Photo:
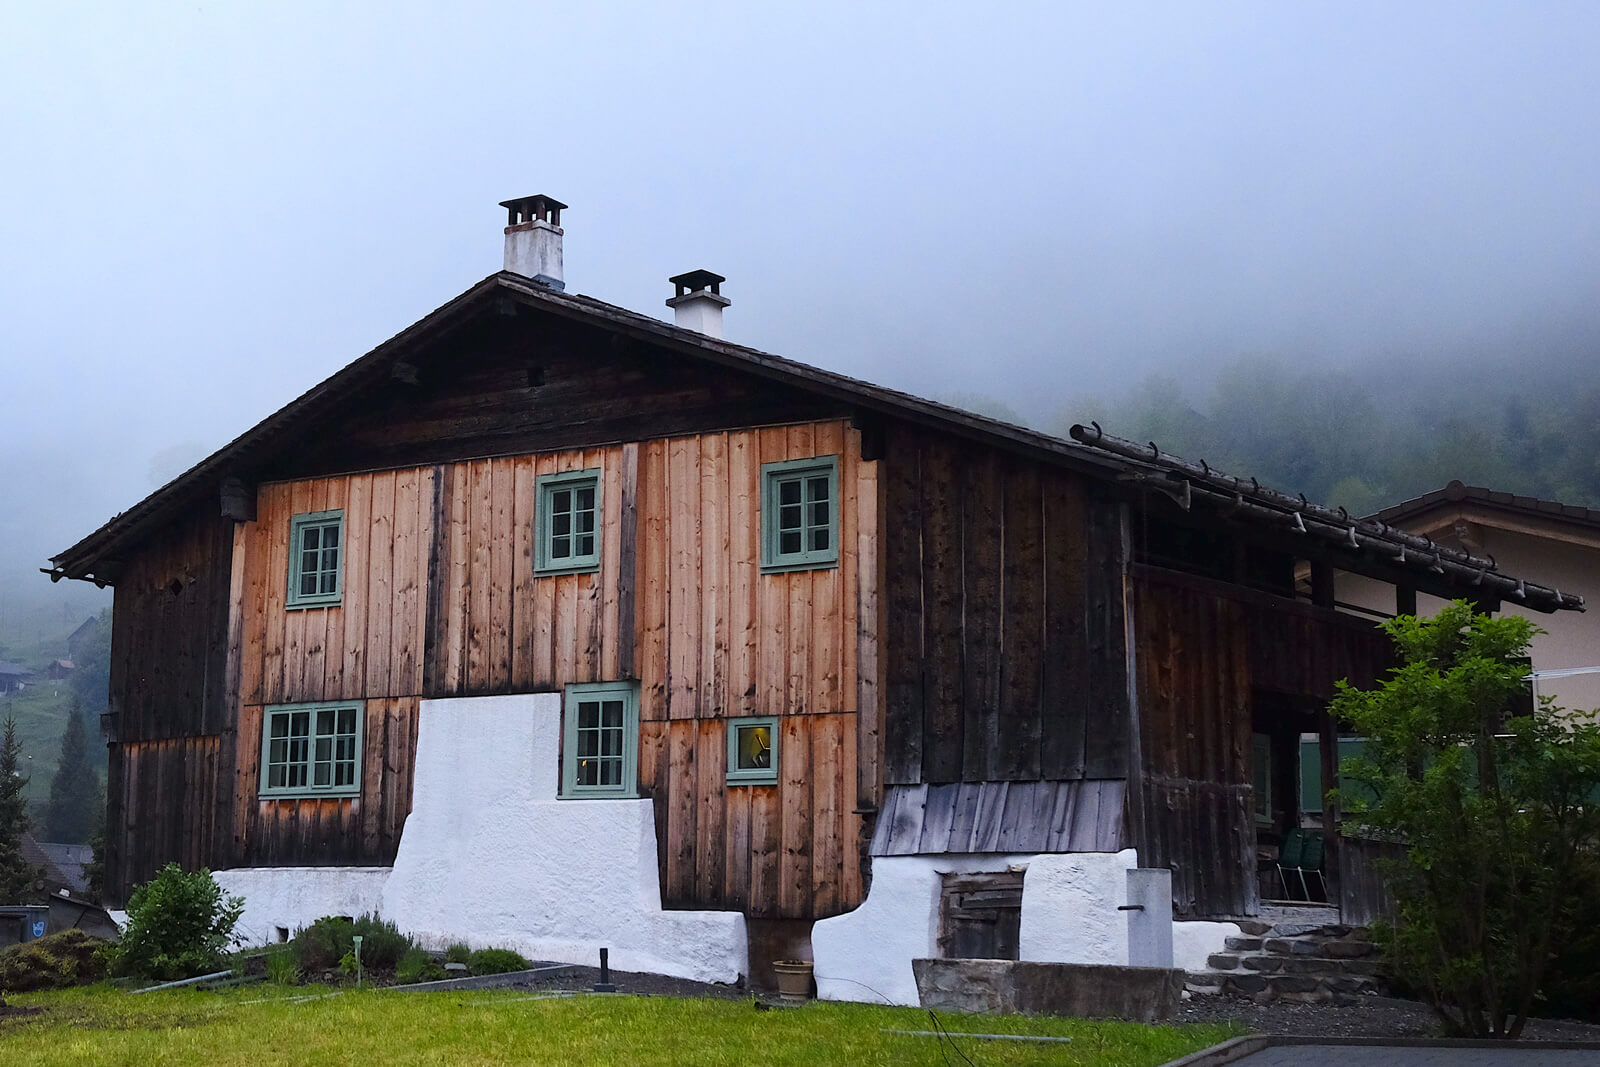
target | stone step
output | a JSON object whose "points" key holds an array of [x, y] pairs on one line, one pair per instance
{"points": [[1229, 962], [1297, 987]]}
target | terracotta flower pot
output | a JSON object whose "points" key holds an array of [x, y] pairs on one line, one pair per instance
{"points": [[794, 979]]}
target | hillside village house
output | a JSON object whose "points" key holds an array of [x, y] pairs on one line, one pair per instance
{"points": [[549, 624], [1558, 542]]}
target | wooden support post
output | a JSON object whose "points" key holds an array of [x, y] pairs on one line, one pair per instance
{"points": [[1322, 584], [1328, 735], [1405, 600]]}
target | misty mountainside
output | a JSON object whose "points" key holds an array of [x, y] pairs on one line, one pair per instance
{"points": [[44, 708], [1368, 437]]}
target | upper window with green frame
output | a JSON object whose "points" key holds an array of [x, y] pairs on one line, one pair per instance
{"points": [[316, 559], [800, 514], [567, 519], [311, 750], [600, 740], [753, 751]]}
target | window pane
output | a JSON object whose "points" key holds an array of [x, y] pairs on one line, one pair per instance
{"points": [[325, 721], [819, 539], [588, 772], [586, 522], [611, 772], [330, 537], [347, 721], [789, 542], [560, 547], [300, 723], [276, 776], [613, 713], [561, 523], [586, 545], [586, 499], [819, 513], [280, 726], [561, 500], [310, 539], [755, 747], [817, 488], [588, 714], [789, 517], [789, 492], [297, 776]]}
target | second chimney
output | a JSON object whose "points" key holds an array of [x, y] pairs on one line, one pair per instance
{"points": [[533, 239], [699, 302]]}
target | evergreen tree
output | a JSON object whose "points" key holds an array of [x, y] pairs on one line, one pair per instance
{"points": [[16, 874], [74, 791]]}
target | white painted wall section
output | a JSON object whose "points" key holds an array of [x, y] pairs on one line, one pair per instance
{"points": [[292, 897], [1069, 908], [1196, 941], [491, 856]]}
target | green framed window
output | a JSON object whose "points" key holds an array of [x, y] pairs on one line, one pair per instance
{"points": [[567, 519], [600, 740], [311, 750], [753, 751], [316, 559], [800, 514]]}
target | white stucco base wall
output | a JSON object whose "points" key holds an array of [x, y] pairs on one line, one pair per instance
{"points": [[490, 856], [1069, 915], [292, 897], [1194, 942]]}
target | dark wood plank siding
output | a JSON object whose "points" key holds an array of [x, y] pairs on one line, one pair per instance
{"points": [[1203, 648], [1006, 657]]}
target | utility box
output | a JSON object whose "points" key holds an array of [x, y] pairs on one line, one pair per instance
{"points": [[23, 922]]}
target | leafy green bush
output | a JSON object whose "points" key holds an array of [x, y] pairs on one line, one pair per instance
{"points": [[55, 961], [417, 966], [320, 946], [460, 952], [324, 944], [179, 925], [497, 961]]}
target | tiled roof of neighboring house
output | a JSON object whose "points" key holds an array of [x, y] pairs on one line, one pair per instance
{"points": [[1092, 452], [1457, 493], [13, 668]]}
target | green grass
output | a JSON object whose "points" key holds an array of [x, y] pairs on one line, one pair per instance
{"points": [[260, 1024]]}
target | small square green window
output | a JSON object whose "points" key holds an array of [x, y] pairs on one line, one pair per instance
{"points": [[316, 557], [800, 514], [311, 750], [567, 518], [753, 751], [600, 740]]}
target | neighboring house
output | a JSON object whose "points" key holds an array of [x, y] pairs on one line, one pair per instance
{"points": [[1559, 544], [61, 883], [546, 623], [78, 640], [59, 669], [13, 677]]}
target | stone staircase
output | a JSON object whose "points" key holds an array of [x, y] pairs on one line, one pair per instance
{"points": [[1293, 960]]}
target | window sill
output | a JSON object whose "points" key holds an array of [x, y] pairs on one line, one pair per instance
{"points": [[769, 780], [308, 605], [309, 794], [573, 568], [800, 565], [599, 796]]}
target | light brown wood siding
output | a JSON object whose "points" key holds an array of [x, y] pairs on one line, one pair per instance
{"points": [[440, 599]]}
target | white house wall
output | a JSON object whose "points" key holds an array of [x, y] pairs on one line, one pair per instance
{"points": [[492, 857]]}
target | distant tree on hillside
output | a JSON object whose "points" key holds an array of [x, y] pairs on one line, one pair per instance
{"points": [[16, 874], [75, 790]]}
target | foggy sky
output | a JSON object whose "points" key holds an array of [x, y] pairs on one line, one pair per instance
{"points": [[207, 210]]}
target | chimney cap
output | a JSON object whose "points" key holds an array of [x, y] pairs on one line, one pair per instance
{"points": [[526, 209], [696, 280]]}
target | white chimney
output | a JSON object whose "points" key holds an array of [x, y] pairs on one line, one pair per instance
{"points": [[699, 303], [533, 239]]}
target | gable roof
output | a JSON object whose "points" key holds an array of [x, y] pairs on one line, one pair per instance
{"points": [[93, 557], [1490, 500]]}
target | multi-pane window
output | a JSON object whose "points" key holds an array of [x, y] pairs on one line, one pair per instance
{"points": [[752, 751], [316, 548], [567, 516], [800, 514], [601, 740], [311, 750]]}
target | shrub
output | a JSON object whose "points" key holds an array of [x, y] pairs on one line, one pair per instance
{"points": [[55, 961], [459, 952], [497, 961], [179, 925], [320, 946], [417, 966], [281, 969], [324, 944]]}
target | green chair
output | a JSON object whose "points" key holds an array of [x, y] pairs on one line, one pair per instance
{"points": [[1311, 863], [1290, 851]]}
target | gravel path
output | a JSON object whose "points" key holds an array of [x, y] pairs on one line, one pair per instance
{"points": [[1369, 1016]]}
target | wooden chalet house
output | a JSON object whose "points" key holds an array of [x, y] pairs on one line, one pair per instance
{"points": [[539, 564]]}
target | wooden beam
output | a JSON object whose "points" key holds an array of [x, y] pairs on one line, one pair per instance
{"points": [[1405, 600], [1322, 583], [238, 499]]}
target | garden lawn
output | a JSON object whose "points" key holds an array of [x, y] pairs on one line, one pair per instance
{"points": [[265, 1024]]}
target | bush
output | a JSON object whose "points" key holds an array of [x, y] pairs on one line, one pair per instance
{"points": [[55, 961], [417, 966], [460, 952], [179, 925], [281, 969], [324, 944], [496, 961]]}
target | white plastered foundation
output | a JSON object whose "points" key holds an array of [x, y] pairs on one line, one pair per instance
{"points": [[1069, 915], [492, 857], [287, 898]]}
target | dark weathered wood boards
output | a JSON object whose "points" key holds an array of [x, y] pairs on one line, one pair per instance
{"points": [[1005, 652]]}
